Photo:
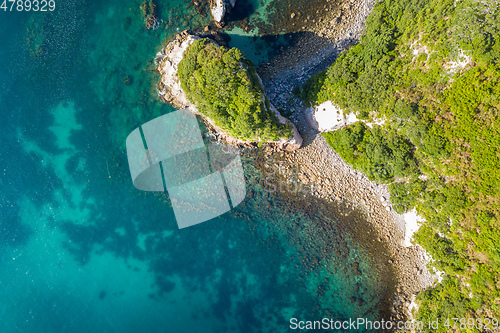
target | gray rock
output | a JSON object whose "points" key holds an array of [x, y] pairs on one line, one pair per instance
{"points": [[220, 8]]}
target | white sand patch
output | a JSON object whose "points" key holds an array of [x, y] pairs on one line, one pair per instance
{"points": [[412, 224], [418, 49], [438, 274], [328, 117], [351, 119], [377, 122]]}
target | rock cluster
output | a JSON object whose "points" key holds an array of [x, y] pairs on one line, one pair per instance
{"points": [[330, 33], [148, 10], [326, 176], [167, 61]]}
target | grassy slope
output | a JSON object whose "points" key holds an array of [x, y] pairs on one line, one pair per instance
{"points": [[439, 148]]}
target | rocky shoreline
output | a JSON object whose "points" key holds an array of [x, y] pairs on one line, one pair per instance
{"points": [[321, 170], [321, 166]]}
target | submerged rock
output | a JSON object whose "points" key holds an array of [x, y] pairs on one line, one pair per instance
{"points": [[148, 10]]}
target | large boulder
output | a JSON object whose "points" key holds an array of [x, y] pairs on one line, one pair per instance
{"points": [[220, 8]]}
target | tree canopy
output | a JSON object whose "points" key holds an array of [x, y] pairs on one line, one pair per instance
{"points": [[224, 86]]}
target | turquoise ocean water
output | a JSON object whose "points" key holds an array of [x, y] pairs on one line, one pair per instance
{"points": [[81, 250]]}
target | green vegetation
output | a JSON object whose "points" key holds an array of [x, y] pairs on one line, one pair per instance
{"points": [[224, 86], [380, 155], [440, 144]]}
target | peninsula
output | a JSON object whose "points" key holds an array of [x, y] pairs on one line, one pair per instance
{"points": [[223, 87]]}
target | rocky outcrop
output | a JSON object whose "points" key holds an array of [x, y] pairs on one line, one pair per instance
{"points": [[294, 143], [167, 62], [323, 170], [220, 8], [170, 91]]}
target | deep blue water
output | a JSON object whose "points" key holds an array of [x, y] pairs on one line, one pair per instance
{"points": [[82, 250]]}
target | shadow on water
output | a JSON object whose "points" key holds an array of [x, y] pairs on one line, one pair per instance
{"points": [[263, 48], [241, 12], [302, 233]]}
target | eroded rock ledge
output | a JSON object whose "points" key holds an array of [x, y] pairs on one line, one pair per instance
{"points": [[170, 91]]}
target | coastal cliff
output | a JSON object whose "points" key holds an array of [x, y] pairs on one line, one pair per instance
{"points": [[167, 61], [171, 91], [439, 102]]}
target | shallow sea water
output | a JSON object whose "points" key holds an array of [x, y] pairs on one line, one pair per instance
{"points": [[81, 250]]}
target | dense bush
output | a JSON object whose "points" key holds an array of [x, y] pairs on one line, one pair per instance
{"points": [[380, 155], [224, 86], [440, 143]]}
